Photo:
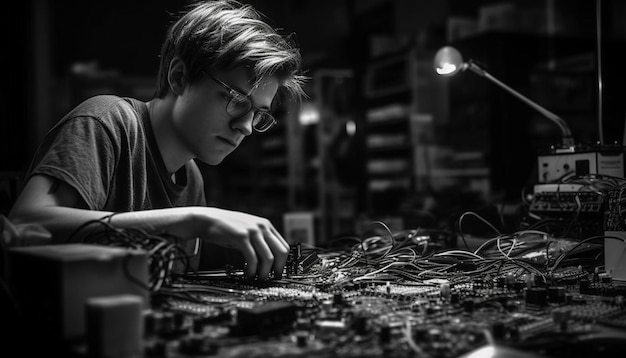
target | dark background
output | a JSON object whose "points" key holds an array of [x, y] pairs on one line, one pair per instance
{"points": [[49, 42]]}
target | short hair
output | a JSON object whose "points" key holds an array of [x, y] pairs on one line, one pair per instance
{"points": [[227, 34]]}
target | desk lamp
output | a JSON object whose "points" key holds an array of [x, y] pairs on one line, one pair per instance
{"points": [[448, 62]]}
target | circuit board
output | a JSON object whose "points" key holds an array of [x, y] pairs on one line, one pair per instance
{"points": [[525, 295]]}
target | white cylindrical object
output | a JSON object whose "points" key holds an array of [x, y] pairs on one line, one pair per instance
{"points": [[114, 326]]}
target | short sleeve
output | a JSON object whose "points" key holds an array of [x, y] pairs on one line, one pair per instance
{"points": [[81, 153]]}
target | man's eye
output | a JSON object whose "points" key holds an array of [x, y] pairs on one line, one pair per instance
{"points": [[239, 99]]}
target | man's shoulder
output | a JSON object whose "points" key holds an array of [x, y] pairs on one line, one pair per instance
{"points": [[102, 105], [111, 111]]}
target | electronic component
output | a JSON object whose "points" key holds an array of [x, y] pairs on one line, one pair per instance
{"points": [[297, 264], [574, 204], [566, 199], [606, 160], [615, 220], [305, 264], [114, 326], [52, 284], [266, 317], [614, 230], [385, 296], [615, 256]]}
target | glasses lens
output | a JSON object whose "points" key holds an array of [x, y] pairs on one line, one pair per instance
{"points": [[238, 106], [263, 121]]}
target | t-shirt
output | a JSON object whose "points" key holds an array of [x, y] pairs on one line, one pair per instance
{"points": [[106, 150]]}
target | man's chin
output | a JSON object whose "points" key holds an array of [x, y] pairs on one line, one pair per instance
{"points": [[214, 160]]}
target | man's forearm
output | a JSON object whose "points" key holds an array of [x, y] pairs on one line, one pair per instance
{"points": [[71, 224]]}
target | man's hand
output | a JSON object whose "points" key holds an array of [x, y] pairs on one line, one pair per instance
{"points": [[262, 246]]}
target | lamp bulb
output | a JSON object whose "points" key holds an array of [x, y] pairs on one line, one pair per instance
{"points": [[448, 61]]}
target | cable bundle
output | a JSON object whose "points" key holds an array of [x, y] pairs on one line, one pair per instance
{"points": [[163, 249]]}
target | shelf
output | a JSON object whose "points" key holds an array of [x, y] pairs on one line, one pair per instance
{"points": [[388, 166], [459, 172], [390, 91], [392, 112], [380, 185], [387, 140], [391, 152]]}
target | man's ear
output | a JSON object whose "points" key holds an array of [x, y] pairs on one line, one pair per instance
{"points": [[177, 76]]}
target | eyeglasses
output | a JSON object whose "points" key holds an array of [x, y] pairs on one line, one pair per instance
{"points": [[240, 104]]}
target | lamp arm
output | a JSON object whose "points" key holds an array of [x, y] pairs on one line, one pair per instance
{"points": [[567, 139]]}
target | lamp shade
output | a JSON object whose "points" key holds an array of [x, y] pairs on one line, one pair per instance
{"points": [[448, 61]]}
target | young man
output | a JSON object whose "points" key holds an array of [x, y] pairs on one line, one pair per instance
{"points": [[221, 67]]}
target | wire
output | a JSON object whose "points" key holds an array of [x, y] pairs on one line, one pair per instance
{"points": [[163, 249], [408, 336], [562, 257], [479, 218]]}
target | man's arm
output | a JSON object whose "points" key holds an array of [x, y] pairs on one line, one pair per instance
{"points": [[60, 209]]}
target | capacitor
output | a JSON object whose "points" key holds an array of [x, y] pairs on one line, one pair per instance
{"points": [[361, 324], [197, 325], [197, 345], [556, 294], [420, 333], [500, 281], [583, 285], [384, 336], [303, 324], [435, 334], [454, 297], [445, 291], [179, 320], [327, 305], [168, 324], [469, 305], [156, 349], [561, 316], [302, 338], [151, 323], [338, 299], [510, 280], [498, 330], [537, 296]]}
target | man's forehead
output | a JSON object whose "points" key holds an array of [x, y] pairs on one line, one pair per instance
{"points": [[243, 80]]}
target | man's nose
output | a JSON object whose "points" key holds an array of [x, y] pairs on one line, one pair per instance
{"points": [[244, 123]]}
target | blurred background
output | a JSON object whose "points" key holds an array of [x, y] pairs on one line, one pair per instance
{"points": [[381, 136]]}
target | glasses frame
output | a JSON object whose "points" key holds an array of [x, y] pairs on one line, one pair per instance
{"points": [[258, 113]]}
